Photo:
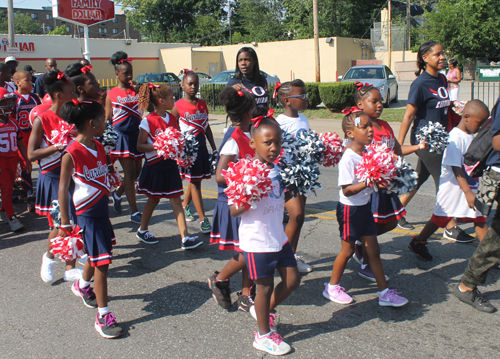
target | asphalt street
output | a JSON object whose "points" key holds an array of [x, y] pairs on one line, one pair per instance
{"points": [[160, 296]]}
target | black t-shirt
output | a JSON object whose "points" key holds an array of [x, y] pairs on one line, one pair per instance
{"points": [[429, 95], [257, 86], [494, 158]]}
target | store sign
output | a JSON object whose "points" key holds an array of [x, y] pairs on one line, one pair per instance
{"points": [[19, 46], [83, 12]]}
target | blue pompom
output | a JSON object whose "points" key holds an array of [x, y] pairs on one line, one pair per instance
{"points": [[55, 213], [109, 138], [434, 135], [405, 181]]}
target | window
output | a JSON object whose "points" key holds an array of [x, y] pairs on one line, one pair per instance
{"points": [[81, 29], [50, 28], [103, 31], [67, 28], [115, 31], [34, 16], [115, 20], [388, 71], [48, 17]]}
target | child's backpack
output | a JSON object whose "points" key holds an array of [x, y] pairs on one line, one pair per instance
{"points": [[480, 148]]}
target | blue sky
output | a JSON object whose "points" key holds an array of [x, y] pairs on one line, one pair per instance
{"points": [[31, 4]]}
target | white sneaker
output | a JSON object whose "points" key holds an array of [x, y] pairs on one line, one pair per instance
{"points": [[15, 224], [273, 318], [73, 275], [83, 259], [302, 266], [272, 343], [47, 271]]}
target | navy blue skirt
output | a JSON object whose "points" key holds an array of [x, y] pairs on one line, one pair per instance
{"points": [[201, 168], [386, 207], [98, 237], [160, 180], [47, 190], [126, 145], [224, 226]]}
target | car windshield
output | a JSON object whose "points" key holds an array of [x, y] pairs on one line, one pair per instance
{"points": [[223, 77], [365, 73]]}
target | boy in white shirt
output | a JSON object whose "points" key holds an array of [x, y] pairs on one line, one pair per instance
{"points": [[457, 191]]}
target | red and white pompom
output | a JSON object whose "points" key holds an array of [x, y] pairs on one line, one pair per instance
{"points": [[333, 149], [115, 179], [63, 136], [69, 247], [169, 144], [377, 166], [247, 182]]}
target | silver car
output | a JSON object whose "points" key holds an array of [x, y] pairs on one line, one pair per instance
{"points": [[204, 78], [379, 76]]}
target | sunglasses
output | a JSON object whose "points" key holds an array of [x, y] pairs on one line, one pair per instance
{"points": [[303, 96]]}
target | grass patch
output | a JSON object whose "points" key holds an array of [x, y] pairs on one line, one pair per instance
{"points": [[389, 114]]}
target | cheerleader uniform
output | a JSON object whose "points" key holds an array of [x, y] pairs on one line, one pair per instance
{"points": [[50, 169], [126, 120], [224, 226], [386, 207], [159, 178], [195, 119], [90, 198], [23, 106]]}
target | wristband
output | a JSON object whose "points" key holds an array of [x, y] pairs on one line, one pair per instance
{"points": [[66, 226]]}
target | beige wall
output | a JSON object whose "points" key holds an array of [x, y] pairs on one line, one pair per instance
{"points": [[396, 56], [201, 60]]}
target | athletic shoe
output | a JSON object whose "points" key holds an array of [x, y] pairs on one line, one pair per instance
{"points": [[475, 299], [146, 237], [337, 294], [117, 202], [136, 217], [391, 299], [187, 212], [87, 294], [273, 318], [107, 326], [47, 271], [368, 274], [15, 224], [220, 291], [191, 242], [457, 234], [405, 225], [83, 259], [30, 204], [358, 253], [244, 302], [420, 249], [205, 226], [73, 275], [302, 266], [271, 343], [4, 217]]}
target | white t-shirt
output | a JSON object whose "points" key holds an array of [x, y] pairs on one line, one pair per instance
{"points": [[231, 148], [261, 229], [347, 166], [451, 201], [293, 125]]}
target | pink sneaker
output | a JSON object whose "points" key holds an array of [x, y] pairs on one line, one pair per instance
{"points": [[391, 299], [337, 294]]}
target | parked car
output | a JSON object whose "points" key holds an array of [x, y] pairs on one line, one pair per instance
{"points": [[379, 76], [204, 78], [223, 77], [168, 78]]}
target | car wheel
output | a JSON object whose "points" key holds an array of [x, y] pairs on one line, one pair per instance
{"points": [[395, 99], [387, 102]]}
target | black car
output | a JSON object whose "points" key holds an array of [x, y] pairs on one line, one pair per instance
{"points": [[168, 78]]}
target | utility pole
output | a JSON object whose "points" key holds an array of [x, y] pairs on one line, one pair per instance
{"points": [[390, 33], [408, 24], [316, 39], [10, 14]]}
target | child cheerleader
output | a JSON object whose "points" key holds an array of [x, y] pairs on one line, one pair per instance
{"points": [[48, 155], [84, 160], [122, 112], [355, 217], [192, 114], [293, 96], [87, 87], [234, 146], [265, 245], [159, 178], [386, 207]]}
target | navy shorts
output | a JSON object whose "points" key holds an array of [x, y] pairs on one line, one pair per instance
{"points": [[355, 221], [262, 265]]}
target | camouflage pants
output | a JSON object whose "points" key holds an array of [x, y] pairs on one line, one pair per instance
{"points": [[487, 253]]}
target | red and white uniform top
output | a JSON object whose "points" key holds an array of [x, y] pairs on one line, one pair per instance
{"points": [[23, 106], [153, 124], [10, 86], [386, 135], [126, 114], [9, 135], [192, 118], [50, 165], [91, 179]]}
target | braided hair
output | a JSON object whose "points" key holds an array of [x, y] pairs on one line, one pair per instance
{"points": [[348, 121], [236, 103], [360, 93], [286, 88], [151, 94], [423, 50], [81, 113]]}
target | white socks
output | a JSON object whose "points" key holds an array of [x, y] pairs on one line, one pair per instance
{"points": [[382, 293], [103, 311], [83, 283]]}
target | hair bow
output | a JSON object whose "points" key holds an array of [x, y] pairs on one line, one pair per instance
{"points": [[152, 86], [77, 102], [128, 59], [86, 69], [240, 93], [256, 121], [348, 111], [276, 88], [360, 85], [187, 70], [62, 76]]}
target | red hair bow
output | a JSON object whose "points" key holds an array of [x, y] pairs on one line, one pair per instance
{"points": [[128, 59], [152, 86], [256, 121], [86, 69], [348, 111], [276, 88], [76, 102], [62, 76], [240, 93], [360, 85]]}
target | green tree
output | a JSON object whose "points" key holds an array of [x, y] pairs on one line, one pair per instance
{"points": [[23, 24], [465, 28], [59, 30]]}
